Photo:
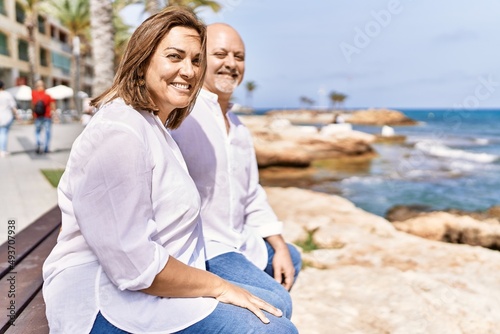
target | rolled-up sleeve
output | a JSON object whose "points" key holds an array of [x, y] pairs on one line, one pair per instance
{"points": [[112, 202]]}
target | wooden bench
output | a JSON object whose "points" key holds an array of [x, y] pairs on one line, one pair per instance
{"points": [[21, 301]]}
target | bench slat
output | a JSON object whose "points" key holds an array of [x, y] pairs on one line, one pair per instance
{"points": [[28, 280], [33, 318], [30, 237]]}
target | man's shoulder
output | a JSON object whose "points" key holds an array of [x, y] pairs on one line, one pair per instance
{"points": [[36, 94]]}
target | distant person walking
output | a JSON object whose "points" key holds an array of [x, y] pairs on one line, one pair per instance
{"points": [[7, 115], [42, 106]]}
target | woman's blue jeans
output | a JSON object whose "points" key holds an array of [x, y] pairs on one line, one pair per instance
{"points": [[227, 318]]}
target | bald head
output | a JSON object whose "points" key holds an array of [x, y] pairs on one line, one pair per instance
{"points": [[222, 28], [39, 85], [225, 60]]}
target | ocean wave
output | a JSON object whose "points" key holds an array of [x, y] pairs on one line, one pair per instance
{"points": [[481, 141], [443, 151], [367, 180]]}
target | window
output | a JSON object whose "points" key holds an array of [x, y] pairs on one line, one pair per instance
{"points": [[2, 7], [41, 24], [20, 14], [4, 49], [61, 62], [89, 71], [63, 37], [53, 32], [43, 57], [22, 49]]}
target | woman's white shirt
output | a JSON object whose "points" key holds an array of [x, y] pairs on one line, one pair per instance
{"points": [[127, 204]]}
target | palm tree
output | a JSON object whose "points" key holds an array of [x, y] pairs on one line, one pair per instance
{"points": [[122, 30], [250, 87], [30, 8], [102, 32], [341, 99], [152, 6], [75, 16], [337, 98], [305, 101], [195, 4]]}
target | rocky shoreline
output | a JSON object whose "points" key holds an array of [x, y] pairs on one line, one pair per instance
{"points": [[371, 116], [362, 275], [414, 272], [299, 137]]}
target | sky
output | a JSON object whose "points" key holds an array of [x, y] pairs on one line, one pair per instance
{"points": [[381, 54]]}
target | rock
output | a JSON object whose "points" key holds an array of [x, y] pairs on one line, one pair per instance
{"points": [[404, 212], [280, 153], [303, 116], [369, 277], [443, 226], [451, 225], [380, 117], [396, 139], [279, 143], [494, 211]]}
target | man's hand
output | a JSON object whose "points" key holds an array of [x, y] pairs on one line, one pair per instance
{"points": [[284, 271]]}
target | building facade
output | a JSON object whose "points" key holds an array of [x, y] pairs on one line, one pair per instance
{"points": [[54, 59]]}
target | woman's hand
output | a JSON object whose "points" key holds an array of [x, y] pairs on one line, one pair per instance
{"points": [[178, 280], [232, 294]]}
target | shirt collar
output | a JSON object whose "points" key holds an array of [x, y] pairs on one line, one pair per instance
{"points": [[213, 98]]}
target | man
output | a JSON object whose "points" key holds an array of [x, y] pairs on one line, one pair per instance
{"points": [[41, 100], [242, 233]]}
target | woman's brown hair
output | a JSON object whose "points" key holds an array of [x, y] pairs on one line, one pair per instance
{"points": [[129, 78]]}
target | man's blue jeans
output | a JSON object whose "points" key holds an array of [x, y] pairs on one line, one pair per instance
{"points": [[294, 254], [45, 122], [236, 268]]}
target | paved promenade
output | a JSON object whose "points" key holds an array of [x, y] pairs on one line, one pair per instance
{"points": [[25, 193]]}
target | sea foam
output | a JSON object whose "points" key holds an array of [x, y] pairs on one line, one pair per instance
{"points": [[443, 151]]}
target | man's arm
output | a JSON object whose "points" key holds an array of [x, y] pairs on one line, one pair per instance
{"points": [[259, 214]]}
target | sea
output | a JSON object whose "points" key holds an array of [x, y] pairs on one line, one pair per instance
{"points": [[450, 159]]}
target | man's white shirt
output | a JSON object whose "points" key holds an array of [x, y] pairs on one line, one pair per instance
{"points": [[235, 213]]}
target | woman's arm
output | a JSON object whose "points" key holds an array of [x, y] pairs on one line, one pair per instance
{"points": [[180, 280]]}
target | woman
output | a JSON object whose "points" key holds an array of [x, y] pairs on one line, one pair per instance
{"points": [[130, 255]]}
